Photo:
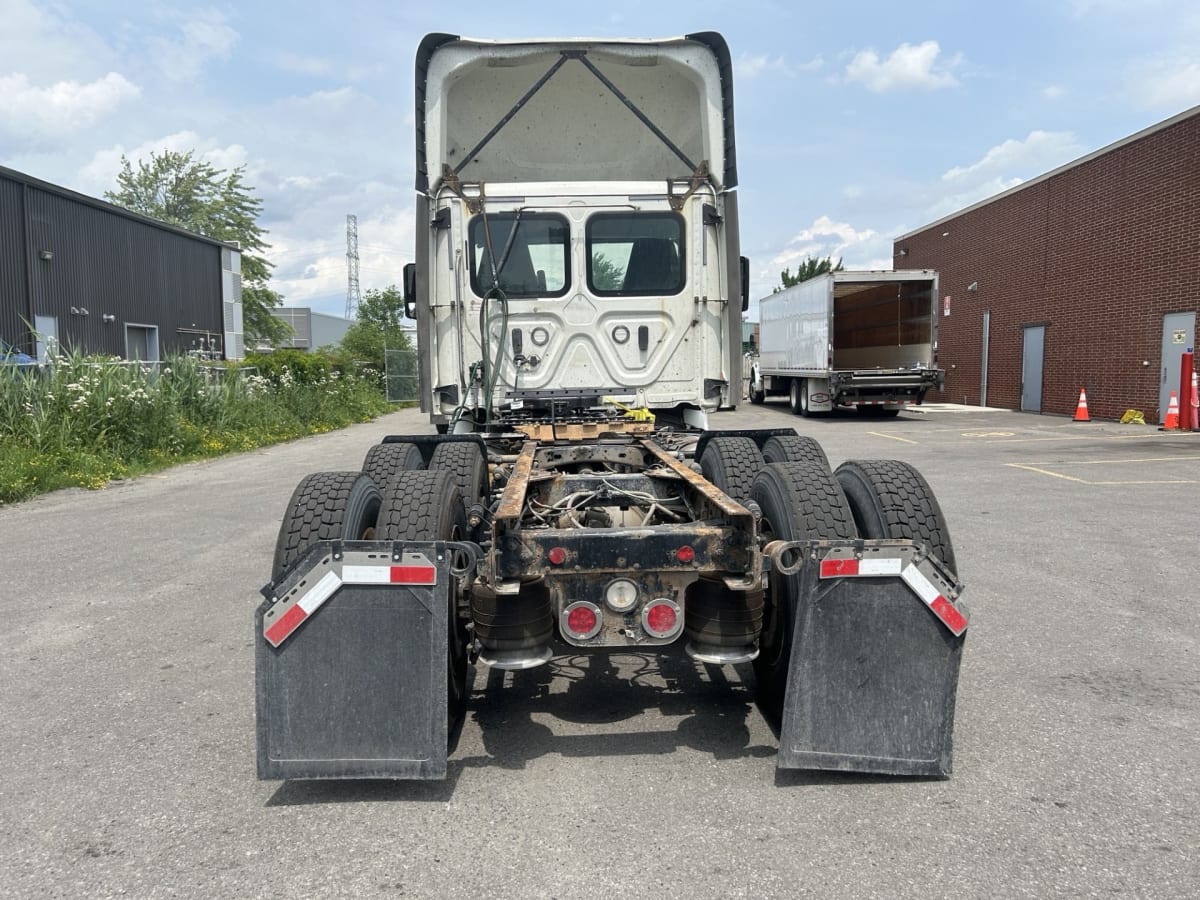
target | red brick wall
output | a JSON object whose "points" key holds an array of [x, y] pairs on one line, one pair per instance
{"points": [[1098, 254]]}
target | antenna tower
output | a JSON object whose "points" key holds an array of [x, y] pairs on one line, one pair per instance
{"points": [[353, 295]]}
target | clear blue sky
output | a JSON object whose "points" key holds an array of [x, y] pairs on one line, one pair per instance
{"points": [[856, 121]]}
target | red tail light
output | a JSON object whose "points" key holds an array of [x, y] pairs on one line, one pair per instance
{"points": [[662, 618], [581, 620]]}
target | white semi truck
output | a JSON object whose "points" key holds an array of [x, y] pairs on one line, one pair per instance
{"points": [[578, 294], [865, 340]]}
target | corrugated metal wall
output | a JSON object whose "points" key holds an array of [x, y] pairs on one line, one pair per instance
{"points": [[14, 302], [96, 270]]}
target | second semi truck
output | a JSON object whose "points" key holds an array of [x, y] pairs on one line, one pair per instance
{"points": [[850, 339]]}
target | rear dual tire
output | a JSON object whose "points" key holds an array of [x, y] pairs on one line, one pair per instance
{"points": [[891, 500], [799, 501], [427, 505], [326, 506], [417, 505]]}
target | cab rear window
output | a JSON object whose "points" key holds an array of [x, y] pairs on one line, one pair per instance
{"points": [[524, 255], [635, 254]]}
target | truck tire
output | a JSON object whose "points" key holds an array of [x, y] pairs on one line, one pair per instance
{"points": [[798, 397], [759, 395], [890, 499], [325, 506], [793, 448], [732, 463], [799, 501], [463, 460], [385, 460], [426, 505]]}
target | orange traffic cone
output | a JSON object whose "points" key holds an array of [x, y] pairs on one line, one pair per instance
{"points": [[1171, 422], [1081, 413]]}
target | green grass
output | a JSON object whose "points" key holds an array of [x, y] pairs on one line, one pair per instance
{"points": [[83, 422]]}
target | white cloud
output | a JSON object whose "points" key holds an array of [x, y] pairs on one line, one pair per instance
{"points": [[41, 41], [304, 65], [1004, 166], [857, 248], [203, 37], [909, 66], [311, 268], [746, 67], [1039, 152], [1168, 84], [1053, 91], [33, 114]]}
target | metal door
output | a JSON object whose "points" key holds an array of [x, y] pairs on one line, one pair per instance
{"points": [[1031, 368], [141, 343], [983, 376], [1179, 333], [46, 337]]}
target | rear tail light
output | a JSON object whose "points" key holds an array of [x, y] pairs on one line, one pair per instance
{"points": [[621, 595], [662, 618], [581, 620]]}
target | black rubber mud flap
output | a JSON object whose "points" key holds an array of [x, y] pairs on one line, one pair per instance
{"points": [[874, 670], [350, 664]]}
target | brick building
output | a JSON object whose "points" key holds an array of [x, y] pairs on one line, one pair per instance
{"points": [[1085, 277]]}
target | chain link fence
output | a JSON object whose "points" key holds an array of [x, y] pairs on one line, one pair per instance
{"points": [[400, 373]]}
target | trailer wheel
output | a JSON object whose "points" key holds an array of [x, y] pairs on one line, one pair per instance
{"points": [[325, 506], [465, 462], [890, 499], [385, 460], [798, 397], [794, 448], [426, 505], [731, 463], [799, 501], [759, 395]]}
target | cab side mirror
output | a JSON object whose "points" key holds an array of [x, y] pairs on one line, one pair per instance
{"points": [[745, 273], [410, 290]]}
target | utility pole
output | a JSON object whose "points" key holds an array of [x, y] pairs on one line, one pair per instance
{"points": [[353, 296]]}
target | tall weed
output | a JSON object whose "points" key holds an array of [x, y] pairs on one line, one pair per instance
{"points": [[84, 421]]}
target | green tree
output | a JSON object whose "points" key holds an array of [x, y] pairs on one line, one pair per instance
{"points": [[377, 327], [810, 268], [179, 189], [606, 274]]}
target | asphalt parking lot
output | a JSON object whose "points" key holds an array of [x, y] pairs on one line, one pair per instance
{"points": [[127, 735]]}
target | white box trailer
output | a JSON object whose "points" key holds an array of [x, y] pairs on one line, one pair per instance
{"points": [[850, 339]]}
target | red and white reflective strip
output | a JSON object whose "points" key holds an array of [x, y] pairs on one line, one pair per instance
{"points": [[416, 571], [307, 604], [948, 614], [407, 573]]}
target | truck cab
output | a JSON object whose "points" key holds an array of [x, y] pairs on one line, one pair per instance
{"points": [[576, 230]]}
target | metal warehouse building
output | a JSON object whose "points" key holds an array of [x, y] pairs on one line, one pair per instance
{"points": [[310, 329], [84, 274], [1086, 277]]}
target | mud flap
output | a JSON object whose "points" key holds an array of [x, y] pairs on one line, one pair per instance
{"points": [[351, 663], [874, 665]]}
